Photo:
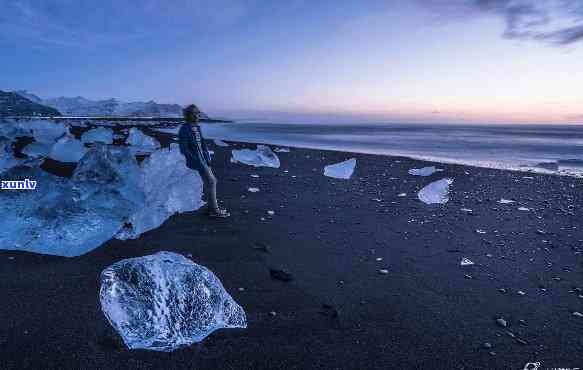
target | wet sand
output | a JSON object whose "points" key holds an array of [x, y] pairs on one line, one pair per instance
{"points": [[339, 312]]}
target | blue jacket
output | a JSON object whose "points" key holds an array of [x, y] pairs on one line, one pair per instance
{"points": [[192, 146]]}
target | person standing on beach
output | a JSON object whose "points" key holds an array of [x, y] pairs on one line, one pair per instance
{"points": [[194, 149]]}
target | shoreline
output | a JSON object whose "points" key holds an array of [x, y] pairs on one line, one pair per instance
{"points": [[339, 311]]}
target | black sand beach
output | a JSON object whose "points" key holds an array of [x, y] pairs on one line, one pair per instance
{"points": [[339, 311]]}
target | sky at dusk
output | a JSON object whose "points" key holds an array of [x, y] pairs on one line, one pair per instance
{"points": [[486, 61]]}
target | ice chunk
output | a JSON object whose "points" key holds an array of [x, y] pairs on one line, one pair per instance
{"points": [[523, 209], [342, 170], [505, 201], [11, 129], [140, 142], [170, 187], [282, 150], [253, 190], [109, 169], [436, 192], [67, 149], [220, 143], [425, 171], [263, 156], [98, 135], [7, 159], [466, 262], [45, 131], [37, 150], [50, 220], [165, 301]]}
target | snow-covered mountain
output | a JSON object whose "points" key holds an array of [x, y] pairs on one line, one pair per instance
{"points": [[79, 106], [14, 104]]}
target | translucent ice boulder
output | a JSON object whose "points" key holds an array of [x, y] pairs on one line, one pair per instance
{"points": [[49, 220], [164, 301], [263, 156], [44, 131], [141, 143], [342, 170], [11, 129], [67, 149], [37, 149], [436, 192], [170, 187], [98, 135], [109, 169], [425, 171]]}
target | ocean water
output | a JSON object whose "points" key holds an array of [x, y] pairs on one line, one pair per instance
{"points": [[541, 148]]}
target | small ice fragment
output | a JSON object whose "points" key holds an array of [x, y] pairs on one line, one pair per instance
{"points": [[402, 195], [255, 176], [282, 150], [466, 210], [220, 143], [505, 201], [520, 292], [379, 259], [436, 192], [271, 213], [523, 209], [165, 301], [342, 170], [578, 314], [263, 156], [253, 190], [480, 231], [383, 271], [425, 171], [466, 262]]}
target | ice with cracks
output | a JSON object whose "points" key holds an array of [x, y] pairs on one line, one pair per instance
{"points": [[165, 301]]}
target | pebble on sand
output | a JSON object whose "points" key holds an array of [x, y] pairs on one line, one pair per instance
{"points": [[501, 322]]}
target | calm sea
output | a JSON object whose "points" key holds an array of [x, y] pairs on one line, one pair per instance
{"points": [[558, 147]]}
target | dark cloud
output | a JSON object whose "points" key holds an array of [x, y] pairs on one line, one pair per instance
{"points": [[558, 22]]}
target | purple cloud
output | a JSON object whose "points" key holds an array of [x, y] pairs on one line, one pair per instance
{"points": [[558, 22]]}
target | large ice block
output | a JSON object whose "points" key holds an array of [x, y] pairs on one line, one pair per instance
{"points": [[98, 135], [263, 156], [67, 149], [164, 301], [170, 187]]}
